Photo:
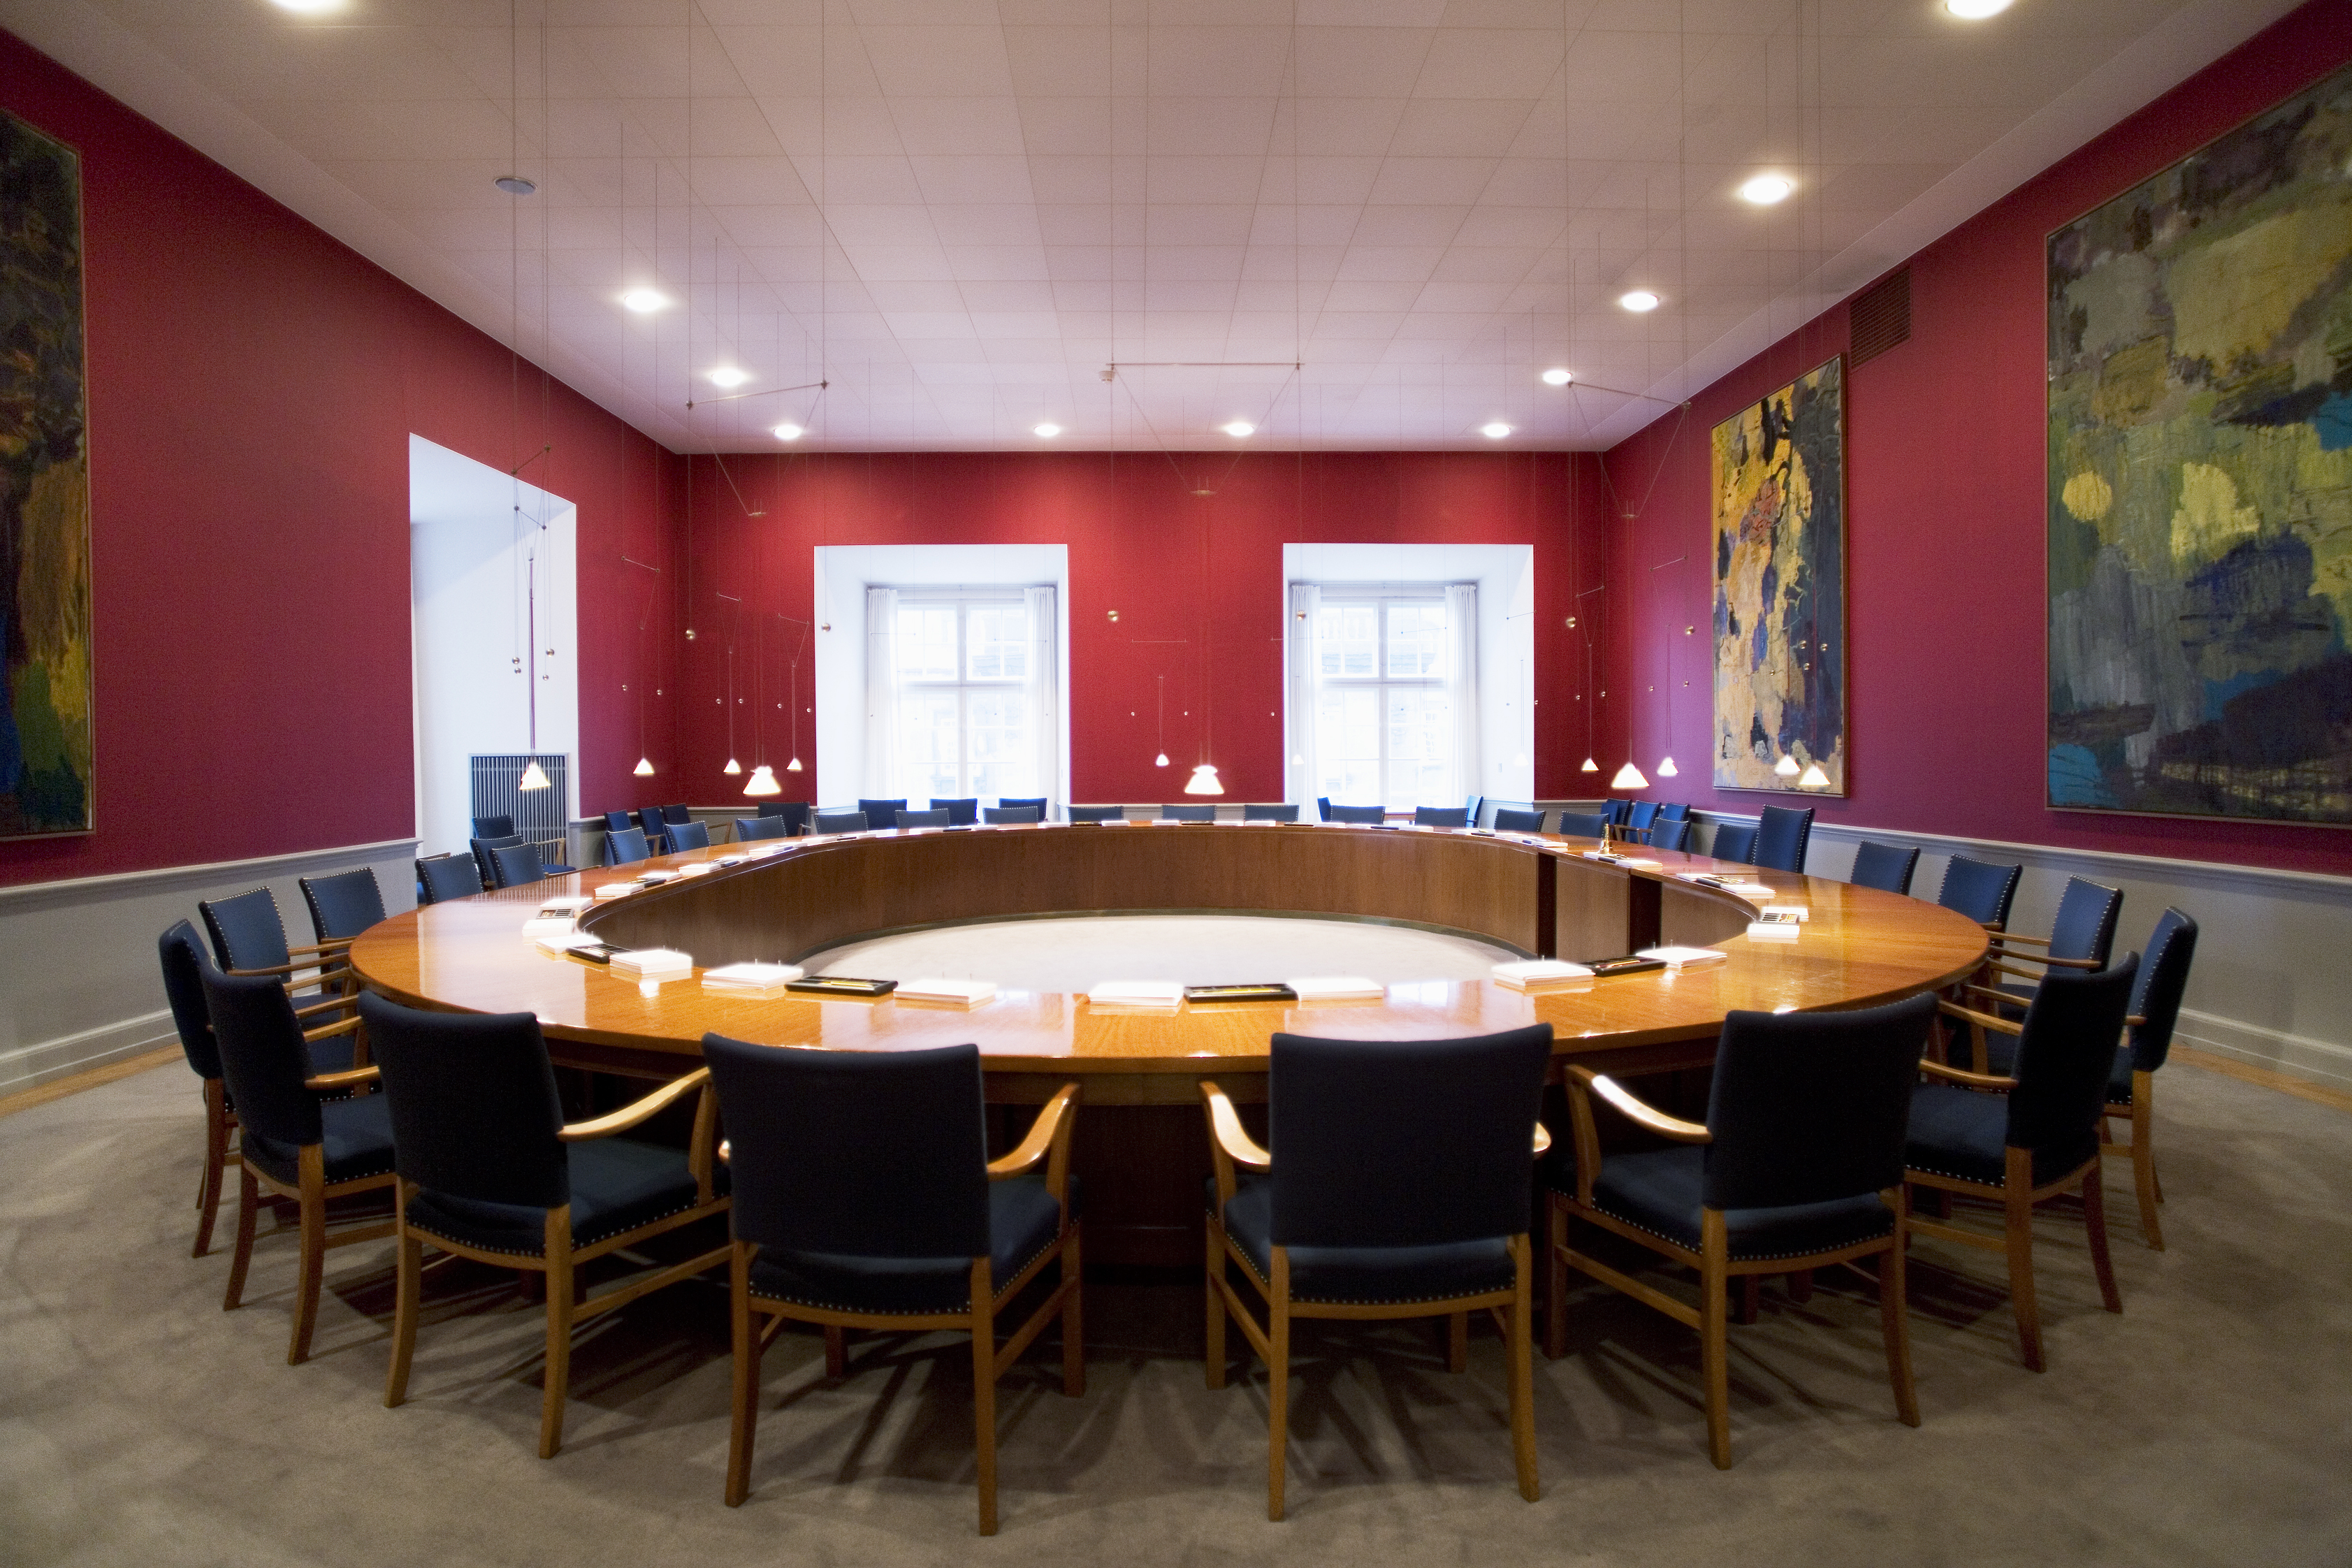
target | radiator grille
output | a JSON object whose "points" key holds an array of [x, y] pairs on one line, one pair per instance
{"points": [[538, 814], [1879, 318]]}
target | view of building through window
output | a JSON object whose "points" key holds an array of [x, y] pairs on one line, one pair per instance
{"points": [[1385, 701], [964, 711]]}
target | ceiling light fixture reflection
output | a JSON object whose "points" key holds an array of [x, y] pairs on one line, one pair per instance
{"points": [[789, 432], [1638, 301], [1766, 189], [727, 376], [1048, 430], [1495, 431], [1975, 10], [1786, 767], [1239, 428], [1557, 376], [1814, 778], [643, 302]]}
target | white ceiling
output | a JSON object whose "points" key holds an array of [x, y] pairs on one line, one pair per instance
{"points": [[958, 212]]}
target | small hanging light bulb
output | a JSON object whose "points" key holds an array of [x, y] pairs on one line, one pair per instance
{"points": [[732, 767], [1667, 768], [532, 778], [1203, 782], [1629, 777], [1590, 766], [645, 767], [793, 766], [1160, 761]]}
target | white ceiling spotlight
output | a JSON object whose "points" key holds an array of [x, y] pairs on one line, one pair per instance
{"points": [[515, 184], [1638, 301], [728, 377], [1558, 375], [310, 7], [1494, 430], [1975, 10], [1048, 430], [789, 432], [643, 302], [1765, 190], [1238, 428]]}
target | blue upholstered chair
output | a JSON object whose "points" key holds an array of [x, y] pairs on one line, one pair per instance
{"points": [[1511, 819], [1264, 810], [1735, 842], [795, 814], [676, 813], [688, 835], [1359, 814], [2131, 1084], [1016, 802], [1620, 813], [1582, 824], [937, 818], [292, 1141], [345, 904], [1441, 816], [1188, 814], [1782, 834], [249, 938], [1675, 833], [1011, 816], [1323, 807], [445, 877], [657, 827], [1799, 1166], [626, 847], [881, 812], [865, 1198], [1396, 1187], [960, 813], [499, 826], [1097, 814], [517, 864], [1980, 890], [751, 829], [1675, 811], [184, 988], [485, 852], [2037, 1135], [2080, 936], [488, 1169], [1884, 867], [616, 820], [1640, 813], [840, 822]]}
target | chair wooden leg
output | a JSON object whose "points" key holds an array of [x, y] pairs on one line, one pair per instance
{"points": [[1457, 1342], [557, 1381], [1800, 1286], [2143, 1156], [984, 1391], [1518, 1349], [1278, 1381], [208, 1185], [1555, 1277], [747, 1375], [1216, 1307], [1074, 1319], [2095, 1222], [836, 1351], [314, 1254], [2018, 1231], [248, 1199], [1751, 1294], [408, 1286], [1894, 1315], [1713, 1347]]}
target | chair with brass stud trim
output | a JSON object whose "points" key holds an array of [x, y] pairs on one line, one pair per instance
{"points": [[1441, 816], [1010, 815], [446, 877], [1396, 1187], [2131, 1086], [1798, 1166], [865, 1199], [249, 938], [751, 829], [689, 835], [626, 847], [1510, 819], [1188, 814], [1016, 802], [840, 822], [935, 817], [1361, 816], [881, 812], [963, 812], [1269, 811]]}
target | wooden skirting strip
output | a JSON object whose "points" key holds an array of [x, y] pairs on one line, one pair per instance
{"points": [[58, 1089], [2302, 1088]]}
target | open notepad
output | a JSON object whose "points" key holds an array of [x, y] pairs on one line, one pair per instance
{"points": [[1162, 993]]}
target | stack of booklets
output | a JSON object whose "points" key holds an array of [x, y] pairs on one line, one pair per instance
{"points": [[1777, 925], [1730, 882], [568, 941], [695, 869], [1539, 973], [735, 860], [616, 889], [1610, 857], [658, 876], [750, 979], [555, 915], [1683, 957], [1155, 995], [961, 993], [1338, 988], [653, 964]]}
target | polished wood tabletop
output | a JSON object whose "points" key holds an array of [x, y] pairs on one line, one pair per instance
{"points": [[781, 900]]}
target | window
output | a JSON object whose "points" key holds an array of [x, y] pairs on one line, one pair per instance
{"points": [[1384, 678], [965, 691]]}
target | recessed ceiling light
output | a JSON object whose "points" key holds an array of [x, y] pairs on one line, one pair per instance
{"points": [[645, 301], [728, 375], [789, 432], [1766, 189], [1638, 301], [1557, 376], [1495, 431], [1049, 431], [1975, 10], [1239, 427], [514, 185]]}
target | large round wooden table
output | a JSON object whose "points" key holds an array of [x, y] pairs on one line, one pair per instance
{"points": [[1141, 1148]]}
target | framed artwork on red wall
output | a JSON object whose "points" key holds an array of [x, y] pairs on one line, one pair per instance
{"points": [[47, 740]]}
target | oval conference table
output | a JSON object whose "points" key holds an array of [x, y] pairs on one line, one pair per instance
{"points": [[1141, 1148]]}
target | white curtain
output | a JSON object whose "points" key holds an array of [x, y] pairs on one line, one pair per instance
{"points": [[881, 693], [1298, 634], [1045, 693], [1462, 637]]}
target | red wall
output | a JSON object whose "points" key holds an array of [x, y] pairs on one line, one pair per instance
{"points": [[1945, 500], [252, 386], [1197, 583]]}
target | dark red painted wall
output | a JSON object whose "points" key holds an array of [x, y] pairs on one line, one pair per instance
{"points": [[1945, 494], [1197, 583], [252, 384]]}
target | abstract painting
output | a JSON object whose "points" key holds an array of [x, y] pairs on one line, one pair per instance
{"points": [[46, 736], [2200, 481], [1779, 589]]}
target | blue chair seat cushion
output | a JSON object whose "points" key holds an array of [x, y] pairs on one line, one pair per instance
{"points": [[1960, 1132], [1362, 1275], [617, 1184], [1660, 1190], [357, 1134], [1022, 1221]]}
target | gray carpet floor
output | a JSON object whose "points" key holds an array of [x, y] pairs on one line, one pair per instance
{"points": [[2212, 1423]]}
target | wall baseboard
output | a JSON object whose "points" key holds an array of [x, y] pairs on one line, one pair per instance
{"points": [[2296, 1055]]}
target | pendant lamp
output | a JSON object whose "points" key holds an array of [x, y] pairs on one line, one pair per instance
{"points": [[793, 766], [1814, 778], [1160, 761], [645, 767], [1590, 766], [762, 782], [532, 777], [1786, 767], [1629, 777], [1667, 768], [1203, 781], [732, 767]]}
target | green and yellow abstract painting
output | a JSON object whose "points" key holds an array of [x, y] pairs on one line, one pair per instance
{"points": [[46, 735], [1778, 472], [2200, 481]]}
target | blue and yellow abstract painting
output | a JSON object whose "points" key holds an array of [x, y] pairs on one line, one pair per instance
{"points": [[1778, 472], [46, 736], [2200, 481]]}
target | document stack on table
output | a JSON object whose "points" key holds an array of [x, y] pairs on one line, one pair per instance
{"points": [[653, 964], [957, 993], [1136, 995], [616, 889], [1338, 988], [761, 980], [1683, 957], [1754, 892], [1539, 973], [555, 915]]}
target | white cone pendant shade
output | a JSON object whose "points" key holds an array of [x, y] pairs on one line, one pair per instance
{"points": [[1629, 777], [1786, 767], [1590, 766], [732, 767], [1814, 778], [532, 778], [1203, 782], [1160, 761], [793, 766], [762, 782], [1667, 768], [645, 767]]}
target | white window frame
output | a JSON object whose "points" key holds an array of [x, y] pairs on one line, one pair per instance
{"points": [[1456, 676], [965, 684]]}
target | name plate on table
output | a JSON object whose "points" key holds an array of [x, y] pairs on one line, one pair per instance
{"points": [[1254, 990], [840, 985], [1610, 968]]}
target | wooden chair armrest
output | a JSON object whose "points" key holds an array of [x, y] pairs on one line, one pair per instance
{"points": [[1232, 1139], [1973, 1079], [1624, 1101], [2134, 1021], [2000, 967], [332, 1004], [2002, 1025], [703, 1148], [637, 1110], [1040, 1139], [1543, 1138], [345, 1080], [321, 966], [2001, 938], [329, 1031], [333, 945]]}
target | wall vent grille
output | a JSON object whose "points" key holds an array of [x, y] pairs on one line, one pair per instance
{"points": [[1879, 318]]}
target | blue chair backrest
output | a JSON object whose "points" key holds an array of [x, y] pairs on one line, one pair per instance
{"points": [[1884, 867], [1679, 810], [1666, 835], [676, 813], [881, 812], [446, 877], [626, 845], [517, 863], [879, 1154], [1510, 819], [343, 904], [656, 829], [263, 1058], [840, 822], [2163, 979], [749, 829], [1441, 816], [1640, 813], [795, 814], [2085, 923], [485, 852], [1808, 1107], [960, 813], [184, 988], [939, 817], [1620, 811], [1323, 807], [1734, 841], [688, 835], [1356, 814], [1188, 814], [494, 827], [1257, 811], [1016, 802], [2065, 1056], [1781, 834], [246, 930], [1005, 816], [1582, 825], [1097, 814], [473, 1103], [1403, 1143], [1980, 890], [616, 820]]}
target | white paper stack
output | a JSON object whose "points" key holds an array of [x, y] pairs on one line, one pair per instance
{"points": [[1539, 973], [1608, 858], [1730, 882], [730, 859], [964, 993], [617, 889], [695, 869], [658, 876], [1338, 988], [1683, 957], [750, 979], [1166, 994], [566, 907], [1113, 822], [566, 940], [653, 964], [1774, 931]]}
